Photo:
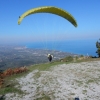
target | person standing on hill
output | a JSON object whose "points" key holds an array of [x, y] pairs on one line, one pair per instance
{"points": [[50, 57]]}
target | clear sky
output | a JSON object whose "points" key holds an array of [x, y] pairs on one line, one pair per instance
{"points": [[37, 27]]}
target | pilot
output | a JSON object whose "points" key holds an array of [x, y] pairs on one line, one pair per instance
{"points": [[50, 57]]}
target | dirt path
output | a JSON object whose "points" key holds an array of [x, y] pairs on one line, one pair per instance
{"points": [[62, 82]]}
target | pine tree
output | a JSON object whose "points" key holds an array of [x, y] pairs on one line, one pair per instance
{"points": [[98, 48]]}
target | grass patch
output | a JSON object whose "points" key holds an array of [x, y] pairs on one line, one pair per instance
{"points": [[79, 82], [88, 59], [72, 93], [16, 76], [10, 83], [44, 98], [90, 81], [10, 89], [37, 75], [84, 91], [45, 66]]}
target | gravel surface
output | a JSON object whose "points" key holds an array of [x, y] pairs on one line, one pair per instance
{"points": [[61, 82]]}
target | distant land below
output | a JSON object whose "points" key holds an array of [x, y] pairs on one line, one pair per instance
{"points": [[18, 56]]}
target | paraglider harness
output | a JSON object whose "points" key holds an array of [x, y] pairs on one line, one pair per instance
{"points": [[50, 57]]}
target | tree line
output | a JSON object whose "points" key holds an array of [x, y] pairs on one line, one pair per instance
{"points": [[98, 48]]}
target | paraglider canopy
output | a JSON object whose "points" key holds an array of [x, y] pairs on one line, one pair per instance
{"points": [[52, 10]]}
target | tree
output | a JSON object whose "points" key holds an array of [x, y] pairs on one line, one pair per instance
{"points": [[98, 48]]}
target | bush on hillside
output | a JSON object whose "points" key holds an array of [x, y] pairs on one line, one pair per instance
{"points": [[68, 58]]}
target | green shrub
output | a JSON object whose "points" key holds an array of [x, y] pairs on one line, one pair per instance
{"points": [[68, 58]]}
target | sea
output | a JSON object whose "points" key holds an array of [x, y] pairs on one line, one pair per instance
{"points": [[86, 47]]}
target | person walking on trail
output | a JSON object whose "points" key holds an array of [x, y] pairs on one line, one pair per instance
{"points": [[50, 57]]}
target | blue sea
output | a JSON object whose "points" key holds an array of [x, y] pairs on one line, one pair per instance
{"points": [[82, 47]]}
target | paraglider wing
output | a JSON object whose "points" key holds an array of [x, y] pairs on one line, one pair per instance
{"points": [[49, 9]]}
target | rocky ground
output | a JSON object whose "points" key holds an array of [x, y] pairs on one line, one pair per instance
{"points": [[61, 82]]}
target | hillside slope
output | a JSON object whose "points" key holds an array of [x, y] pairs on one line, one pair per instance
{"points": [[61, 82]]}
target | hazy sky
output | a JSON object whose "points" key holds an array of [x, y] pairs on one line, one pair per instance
{"points": [[37, 27]]}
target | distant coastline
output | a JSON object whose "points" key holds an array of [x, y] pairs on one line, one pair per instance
{"points": [[80, 47], [18, 56]]}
